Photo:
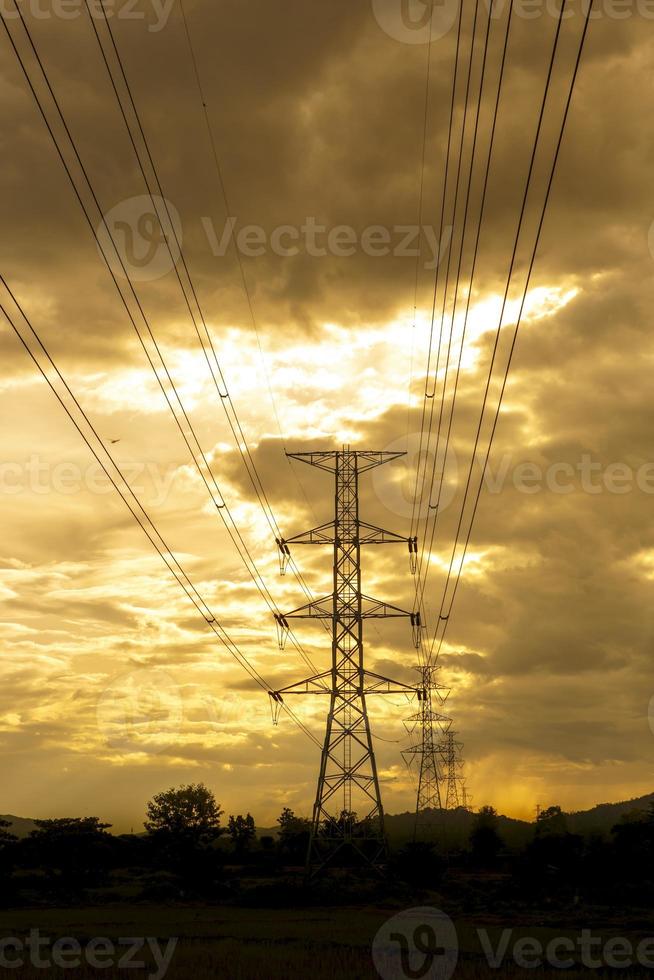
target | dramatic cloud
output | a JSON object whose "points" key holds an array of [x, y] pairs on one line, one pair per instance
{"points": [[113, 687]]}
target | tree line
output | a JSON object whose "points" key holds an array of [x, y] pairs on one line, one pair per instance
{"points": [[187, 850]]}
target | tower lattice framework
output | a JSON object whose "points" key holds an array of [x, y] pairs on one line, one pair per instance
{"points": [[348, 816], [455, 795], [427, 751]]}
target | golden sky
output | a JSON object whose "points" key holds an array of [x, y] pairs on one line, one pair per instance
{"points": [[113, 688]]}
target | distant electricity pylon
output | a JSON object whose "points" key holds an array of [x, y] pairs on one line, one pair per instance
{"points": [[451, 752], [348, 778], [427, 751], [441, 784]]}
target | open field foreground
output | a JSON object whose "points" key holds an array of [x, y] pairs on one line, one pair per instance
{"points": [[317, 943]]}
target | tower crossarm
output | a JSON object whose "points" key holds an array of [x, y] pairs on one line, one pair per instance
{"points": [[366, 460], [369, 534], [324, 534], [427, 714], [323, 461], [316, 609], [373, 459], [370, 609], [310, 685], [373, 684], [377, 609], [379, 684]]}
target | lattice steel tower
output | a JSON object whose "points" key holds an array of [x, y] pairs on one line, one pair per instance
{"points": [[348, 816], [451, 753], [427, 751]]}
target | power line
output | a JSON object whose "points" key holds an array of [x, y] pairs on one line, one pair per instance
{"points": [[414, 519], [418, 601], [224, 395], [458, 274], [227, 208], [246, 289], [480, 222], [155, 538], [445, 619], [220, 504], [466, 102], [523, 211], [421, 185]]}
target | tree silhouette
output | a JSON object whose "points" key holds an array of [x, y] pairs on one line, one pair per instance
{"points": [[633, 846], [551, 821], [346, 823], [188, 814], [552, 864], [242, 831], [183, 824], [7, 849], [293, 834], [485, 840], [6, 838], [75, 851]]}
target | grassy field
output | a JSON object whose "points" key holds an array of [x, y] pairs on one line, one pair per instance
{"points": [[266, 944]]}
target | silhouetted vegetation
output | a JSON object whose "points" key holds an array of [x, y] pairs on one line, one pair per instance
{"points": [[182, 827], [188, 814], [419, 864], [185, 853], [293, 837], [242, 832], [485, 840]]}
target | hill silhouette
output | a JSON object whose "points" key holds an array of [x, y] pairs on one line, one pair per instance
{"points": [[602, 817], [451, 828]]}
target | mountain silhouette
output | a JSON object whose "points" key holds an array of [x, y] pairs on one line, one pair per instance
{"points": [[451, 828]]}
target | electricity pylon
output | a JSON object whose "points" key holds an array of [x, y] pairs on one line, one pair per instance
{"points": [[348, 771], [451, 754], [428, 749]]}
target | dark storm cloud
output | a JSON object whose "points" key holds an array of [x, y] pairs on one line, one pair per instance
{"points": [[325, 123]]}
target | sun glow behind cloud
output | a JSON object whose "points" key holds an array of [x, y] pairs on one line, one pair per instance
{"points": [[129, 624], [373, 364]]}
